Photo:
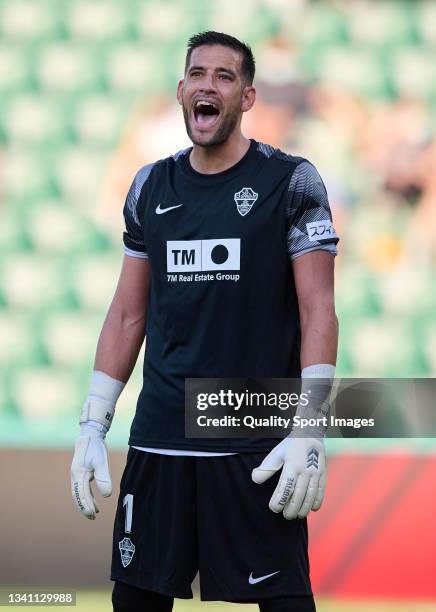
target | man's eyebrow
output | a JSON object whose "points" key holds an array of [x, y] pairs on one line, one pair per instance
{"points": [[191, 68], [218, 69], [228, 70]]}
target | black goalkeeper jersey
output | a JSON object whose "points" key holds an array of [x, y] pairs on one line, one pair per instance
{"points": [[223, 300]]}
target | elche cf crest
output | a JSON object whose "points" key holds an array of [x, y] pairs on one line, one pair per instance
{"points": [[244, 200], [127, 550]]}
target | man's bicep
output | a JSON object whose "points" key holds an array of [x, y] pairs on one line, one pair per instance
{"points": [[132, 292], [133, 286]]}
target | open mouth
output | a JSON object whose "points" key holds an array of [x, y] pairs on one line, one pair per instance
{"points": [[205, 114]]}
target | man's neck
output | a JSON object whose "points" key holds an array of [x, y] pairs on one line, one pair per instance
{"points": [[217, 158]]}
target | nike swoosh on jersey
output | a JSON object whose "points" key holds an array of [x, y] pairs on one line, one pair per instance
{"points": [[252, 580], [161, 211]]}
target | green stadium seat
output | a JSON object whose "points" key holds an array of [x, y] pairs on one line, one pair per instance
{"points": [[9, 412], [45, 393], [323, 25], [344, 364], [98, 119], [31, 282], [14, 69], [5, 402], [24, 20], [414, 72], [429, 348], [163, 21], [356, 294], [13, 236], [70, 338], [97, 20], [383, 347], [419, 299], [94, 280], [59, 228], [26, 173], [426, 21], [357, 70], [135, 68], [67, 67], [19, 345], [79, 174], [380, 24], [34, 119]]}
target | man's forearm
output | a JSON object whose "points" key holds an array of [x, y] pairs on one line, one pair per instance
{"points": [[318, 360], [319, 336], [119, 344]]}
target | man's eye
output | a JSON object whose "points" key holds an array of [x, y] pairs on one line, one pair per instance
{"points": [[226, 77]]}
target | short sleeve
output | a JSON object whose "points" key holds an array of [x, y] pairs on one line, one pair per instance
{"points": [[310, 225], [133, 237]]}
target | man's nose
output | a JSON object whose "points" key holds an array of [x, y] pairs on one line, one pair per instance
{"points": [[207, 83]]}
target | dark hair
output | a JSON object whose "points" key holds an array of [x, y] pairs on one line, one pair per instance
{"points": [[219, 38]]}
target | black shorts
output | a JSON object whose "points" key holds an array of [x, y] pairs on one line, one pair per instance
{"points": [[177, 515]]}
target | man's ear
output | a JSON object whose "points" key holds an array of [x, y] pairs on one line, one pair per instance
{"points": [[248, 98], [180, 91]]}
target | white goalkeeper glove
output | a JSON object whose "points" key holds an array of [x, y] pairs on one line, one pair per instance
{"points": [[90, 459], [300, 456], [302, 481]]}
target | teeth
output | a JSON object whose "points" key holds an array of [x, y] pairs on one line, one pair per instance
{"points": [[204, 103]]}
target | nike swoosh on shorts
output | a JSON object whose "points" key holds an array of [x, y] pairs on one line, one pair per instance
{"points": [[252, 580]]}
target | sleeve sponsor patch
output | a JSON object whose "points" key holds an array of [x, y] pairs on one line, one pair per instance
{"points": [[320, 230]]}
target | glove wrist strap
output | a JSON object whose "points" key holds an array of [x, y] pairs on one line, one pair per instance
{"points": [[103, 394], [316, 385], [97, 409]]}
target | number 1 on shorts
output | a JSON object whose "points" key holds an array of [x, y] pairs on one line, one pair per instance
{"points": [[128, 501]]}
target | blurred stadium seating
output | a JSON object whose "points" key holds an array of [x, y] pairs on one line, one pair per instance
{"points": [[72, 75]]}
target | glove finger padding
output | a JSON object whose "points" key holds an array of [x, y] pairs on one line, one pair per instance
{"points": [[309, 498], [82, 494], [270, 465], [283, 491], [101, 472], [319, 497], [313, 484], [294, 503], [81, 477]]}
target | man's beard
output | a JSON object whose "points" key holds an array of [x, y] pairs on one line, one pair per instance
{"points": [[228, 124]]}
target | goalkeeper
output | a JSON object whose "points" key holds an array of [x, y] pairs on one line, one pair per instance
{"points": [[233, 509]]}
